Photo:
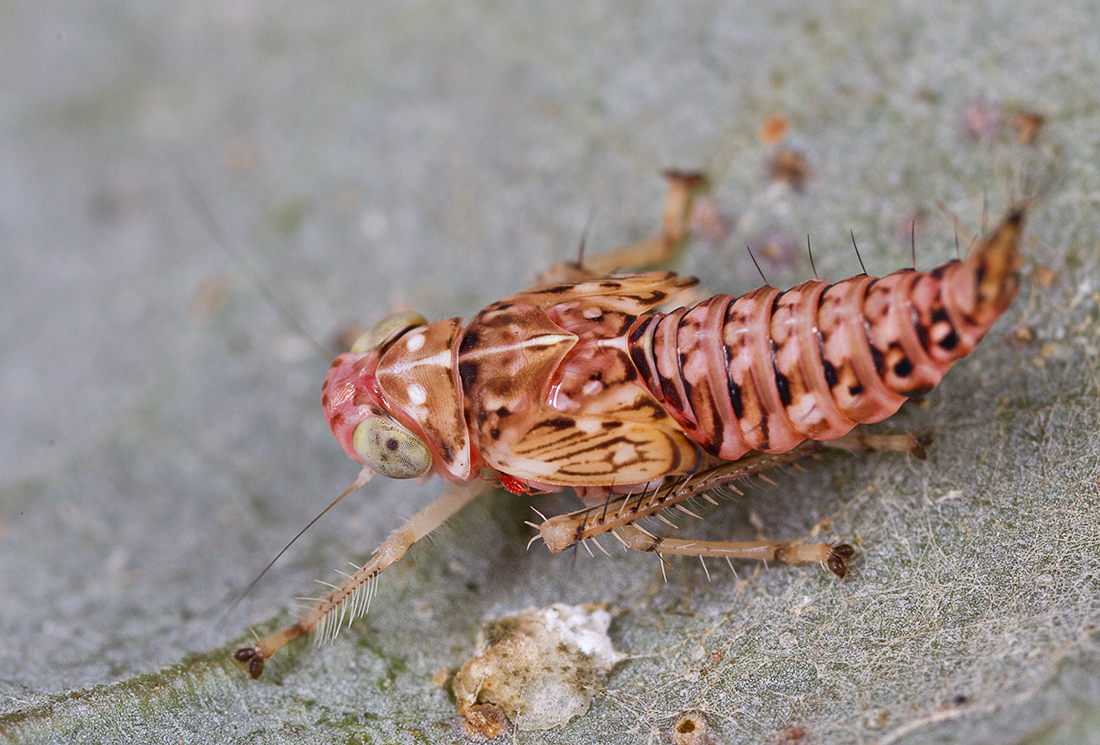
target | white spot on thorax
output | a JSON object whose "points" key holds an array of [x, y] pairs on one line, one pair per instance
{"points": [[588, 425], [415, 341], [417, 394]]}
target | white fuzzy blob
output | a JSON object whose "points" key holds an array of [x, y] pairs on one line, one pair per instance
{"points": [[539, 665]]}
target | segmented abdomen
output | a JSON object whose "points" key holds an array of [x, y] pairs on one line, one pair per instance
{"points": [[770, 369]]}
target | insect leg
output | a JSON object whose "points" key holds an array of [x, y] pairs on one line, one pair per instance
{"points": [[562, 532], [834, 557], [622, 513], [683, 186], [855, 441], [394, 547], [619, 515]]}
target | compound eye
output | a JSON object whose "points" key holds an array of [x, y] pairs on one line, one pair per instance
{"points": [[389, 449], [387, 330]]}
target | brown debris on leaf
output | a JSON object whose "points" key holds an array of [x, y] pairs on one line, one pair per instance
{"points": [[773, 129], [791, 167], [691, 729]]}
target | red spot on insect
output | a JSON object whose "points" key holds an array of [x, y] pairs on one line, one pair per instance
{"points": [[512, 484]]}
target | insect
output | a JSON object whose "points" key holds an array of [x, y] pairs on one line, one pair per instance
{"points": [[585, 383]]}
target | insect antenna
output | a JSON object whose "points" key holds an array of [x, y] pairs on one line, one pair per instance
{"points": [[913, 242], [766, 282], [985, 211], [200, 205], [861, 266], [358, 482], [811, 253]]}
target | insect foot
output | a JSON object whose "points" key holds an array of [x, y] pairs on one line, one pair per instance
{"points": [[253, 657], [838, 560], [352, 598]]}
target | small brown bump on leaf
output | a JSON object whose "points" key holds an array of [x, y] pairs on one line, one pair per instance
{"points": [[1044, 276], [484, 722], [773, 129], [791, 167], [209, 297], [1028, 124], [791, 735], [981, 120], [691, 729], [707, 221]]}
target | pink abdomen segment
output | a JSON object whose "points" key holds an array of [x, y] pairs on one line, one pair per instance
{"points": [[770, 369]]}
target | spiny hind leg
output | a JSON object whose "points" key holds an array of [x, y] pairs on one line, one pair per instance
{"points": [[683, 187], [352, 598], [834, 557], [620, 515]]}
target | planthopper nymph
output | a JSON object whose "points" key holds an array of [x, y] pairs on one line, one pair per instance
{"points": [[595, 381]]}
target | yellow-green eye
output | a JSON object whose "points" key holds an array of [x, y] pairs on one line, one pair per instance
{"points": [[386, 330], [389, 449]]}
